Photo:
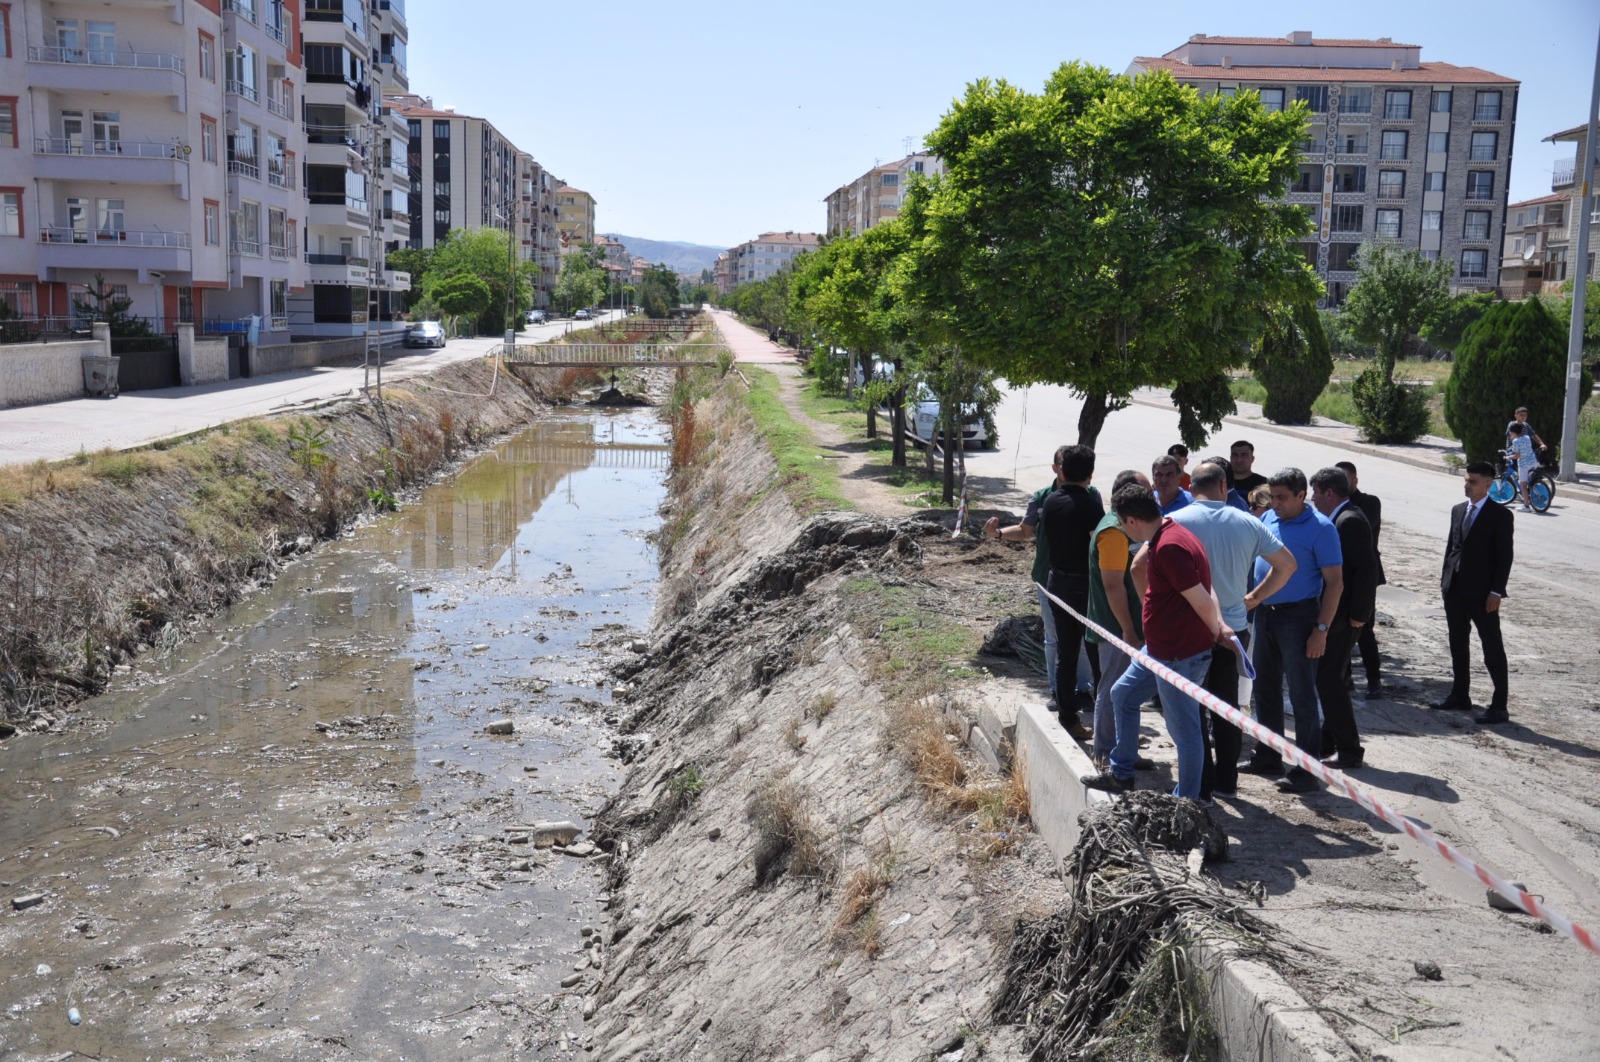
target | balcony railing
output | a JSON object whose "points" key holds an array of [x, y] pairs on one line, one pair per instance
{"points": [[279, 175], [1486, 114], [1355, 147], [1397, 112], [275, 32], [332, 134], [1563, 175], [1393, 153], [279, 322], [242, 245], [1480, 193], [279, 107], [1481, 154], [1390, 191], [245, 9], [138, 149], [245, 168], [1388, 230], [1475, 233], [239, 88], [126, 237], [336, 260], [278, 252], [107, 57]]}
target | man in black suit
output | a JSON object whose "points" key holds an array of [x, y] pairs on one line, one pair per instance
{"points": [[1330, 493], [1477, 563], [1371, 507]]}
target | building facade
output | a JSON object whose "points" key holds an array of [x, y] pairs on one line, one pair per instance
{"points": [[574, 217], [1414, 152], [876, 195], [768, 254], [1562, 238], [1532, 227]]}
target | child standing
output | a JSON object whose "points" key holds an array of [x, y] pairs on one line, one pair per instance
{"points": [[1522, 454]]}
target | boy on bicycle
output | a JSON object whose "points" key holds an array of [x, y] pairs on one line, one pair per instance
{"points": [[1522, 455]]}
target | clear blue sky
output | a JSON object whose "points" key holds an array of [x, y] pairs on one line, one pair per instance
{"points": [[715, 121]]}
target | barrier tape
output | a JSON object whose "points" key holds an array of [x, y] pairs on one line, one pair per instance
{"points": [[1339, 783], [961, 510]]}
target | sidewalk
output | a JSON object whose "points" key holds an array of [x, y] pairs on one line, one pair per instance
{"points": [[1430, 452]]}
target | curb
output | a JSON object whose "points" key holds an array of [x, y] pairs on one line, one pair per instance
{"points": [[1579, 491]]}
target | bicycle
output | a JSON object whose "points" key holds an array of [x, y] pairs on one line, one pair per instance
{"points": [[1506, 488]]}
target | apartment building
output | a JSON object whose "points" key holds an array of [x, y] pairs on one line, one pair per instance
{"points": [[722, 273], [1399, 149], [538, 234], [150, 144], [768, 254], [354, 175], [876, 195], [574, 217], [1562, 237], [1531, 227]]}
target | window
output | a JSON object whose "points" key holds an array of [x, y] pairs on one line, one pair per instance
{"points": [[1474, 263], [1438, 143], [247, 228], [1441, 101], [1387, 224], [1480, 184], [1394, 144], [208, 56], [1477, 225], [1353, 142], [10, 211], [1310, 180], [1555, 264], [1516, 245], [1396, 104], [1391, 184], [5, 31], [213, 216], [1271, 99], [1487, 108], [277, 230], [239, 64], [208, 139], [890, 180], [8, 121], [1555, 214], [1357, 101], [1347, 218], [107, 132], [1484, 147], [1315, 97], [278, 297], [1432, 220], [186, 304], [102, 38], [18, 295], [1342, 256], [1433, 182], [109, 216]]}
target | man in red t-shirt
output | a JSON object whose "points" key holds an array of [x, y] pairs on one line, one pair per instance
{"points": [[1182, 622]]}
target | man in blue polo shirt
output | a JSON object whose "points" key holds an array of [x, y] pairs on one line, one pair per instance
{"points": [[1166, 476], [1292, 626]]}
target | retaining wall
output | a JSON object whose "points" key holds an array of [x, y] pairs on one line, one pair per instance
{"points": [[31, 373]]}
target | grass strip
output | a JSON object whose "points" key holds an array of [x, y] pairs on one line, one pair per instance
{"points": [[811, 480]]}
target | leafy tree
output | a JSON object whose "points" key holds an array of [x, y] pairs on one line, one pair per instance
{"points": [[413, 260], [1397, 293], [1515, 355], [1109, 233], [658, 291], [1450, 324], [582, 281], [484, 253], [461, 295], [104, 304], [1293, 363]]}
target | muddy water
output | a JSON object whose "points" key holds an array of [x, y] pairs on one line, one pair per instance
{"points": [[289, 838]]}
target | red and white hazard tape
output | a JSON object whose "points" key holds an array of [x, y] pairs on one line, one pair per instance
{"points": [[1339, 783], [961, 510]]}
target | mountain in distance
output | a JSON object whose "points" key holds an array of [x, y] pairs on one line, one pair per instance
{"points": [[687, 258]]}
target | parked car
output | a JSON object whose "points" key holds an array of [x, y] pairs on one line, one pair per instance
{"points": [[537, 317], [581, 315], [922, 418], [425, 334]]}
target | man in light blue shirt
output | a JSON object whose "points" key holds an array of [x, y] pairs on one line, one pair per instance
{"points": [[1166, 477], [1234, 542]]}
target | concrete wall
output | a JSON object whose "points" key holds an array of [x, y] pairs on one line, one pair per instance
{"points": [[287, 357], [43, 372]]}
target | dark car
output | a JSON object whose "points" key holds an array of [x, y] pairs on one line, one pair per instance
{"points": [[425, 334]]}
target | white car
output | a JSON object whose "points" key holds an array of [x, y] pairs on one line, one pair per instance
{"points": [[425, 334], [922, 411]]}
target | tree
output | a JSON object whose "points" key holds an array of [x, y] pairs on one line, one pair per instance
{"points": [[1397, 293], [484, 253], [1449, 326], [413, 260], [1293, 363], [658, 291], [1109, 233], [104, 304], [461, 295], [1515, 355], [582, 281]]}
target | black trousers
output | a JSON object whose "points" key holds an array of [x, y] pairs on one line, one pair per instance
{"points": [[1371, 662], [1220, 768], [1460, 617], [1073, 588], [1338, 713]]}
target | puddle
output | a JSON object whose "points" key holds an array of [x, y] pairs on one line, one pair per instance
{"points": [[290, 838]]}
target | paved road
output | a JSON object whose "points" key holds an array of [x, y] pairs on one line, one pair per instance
{"points": [[59, 430]]}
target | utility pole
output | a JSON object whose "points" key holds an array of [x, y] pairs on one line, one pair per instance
{"points": [[1583, 201], [373, 352]]}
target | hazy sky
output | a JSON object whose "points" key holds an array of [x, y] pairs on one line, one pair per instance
{"points": [[714, 121]]}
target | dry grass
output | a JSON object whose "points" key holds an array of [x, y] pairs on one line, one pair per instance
{"points": [[791, 733], [789, 839], [822, 706], [858, 917]]}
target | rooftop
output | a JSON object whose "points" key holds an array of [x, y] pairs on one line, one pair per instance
{"points": [[1300, 40], [1424, 73]]}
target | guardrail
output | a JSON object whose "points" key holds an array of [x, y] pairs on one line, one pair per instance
{"points": [[615, 355], [129, 237], [137, 149], [108, 57]]}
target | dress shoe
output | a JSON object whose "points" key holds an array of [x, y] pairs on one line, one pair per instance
{"points": [[1255, 766], [1107, 782], [1491, 716], [1452, 704], [1346, 761], [1374, 690], [1297, 782]]}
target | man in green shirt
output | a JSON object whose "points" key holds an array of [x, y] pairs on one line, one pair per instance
{"points": [[1114, 604]]}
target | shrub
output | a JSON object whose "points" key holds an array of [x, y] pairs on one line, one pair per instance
{"points": [[1389, 411], [1514, 355], [1293, 364]]}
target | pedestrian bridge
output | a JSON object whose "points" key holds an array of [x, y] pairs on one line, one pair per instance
{"points": [[612, 355]]}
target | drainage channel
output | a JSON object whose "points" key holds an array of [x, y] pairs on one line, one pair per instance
{"points": [[294, 836]]}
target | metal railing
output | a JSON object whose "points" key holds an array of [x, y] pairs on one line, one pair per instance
{"points": [[1389, 230], [279, 177], [245, 167], [239, 88], [104, 57], [275, 31], [138, 149], [1397, 112], [1391, 191], [243, 245], [1480, 193], [1563, 175], [1355, 147], [1475, 233], [336, 259], [1393, 153], [127, 237], [279, 107], [349, 202], [1486, 114], [279, 322], [279, 253], [245, 9]]}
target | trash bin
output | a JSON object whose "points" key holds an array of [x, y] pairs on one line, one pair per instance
{"points": [[100, 375]]}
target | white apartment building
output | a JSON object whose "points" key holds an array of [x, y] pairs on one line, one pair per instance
{"points": [[876, 195], [1399, 149], [539, 235], [768, 254], [151, 144], [1534, 227]]}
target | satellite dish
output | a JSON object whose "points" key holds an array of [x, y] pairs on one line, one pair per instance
{"points": [[187, 151]]}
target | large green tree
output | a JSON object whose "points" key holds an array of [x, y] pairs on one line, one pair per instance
{"points": [[1398, 292], [658, 291], [582, 281], [1109, 233], [484, 253], [1293, 363], [1515, 355], [461, 295]]}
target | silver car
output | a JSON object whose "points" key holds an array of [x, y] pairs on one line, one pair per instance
{"points": [[425, 334]]}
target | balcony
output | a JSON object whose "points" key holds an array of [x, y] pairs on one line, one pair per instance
{"points": [[132, 161], [1397, 112], [1486, 114], [275, 32], [1481, 154], [245, 9], [279, 175], [351, 210], [1480, 194], [239, 245], [63, 248], [109, 72], [1563, 176], [279, 253], [279, 107], [245, 167]]}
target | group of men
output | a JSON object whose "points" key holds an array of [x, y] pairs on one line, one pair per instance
{"points": [[1201, 569]]}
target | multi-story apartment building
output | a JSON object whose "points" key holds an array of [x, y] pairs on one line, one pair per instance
{"points": [[1532, 226], [1563, 238], [769, 253], [1399, 149], [876, 195], [354, 167], [152, 145], [722, 273], [539, 238], [574, 217]]}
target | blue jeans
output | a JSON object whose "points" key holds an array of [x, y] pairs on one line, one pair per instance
{"points": [[1049, 638], [1279, 653], [1113, 662], [1181, 711]]}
